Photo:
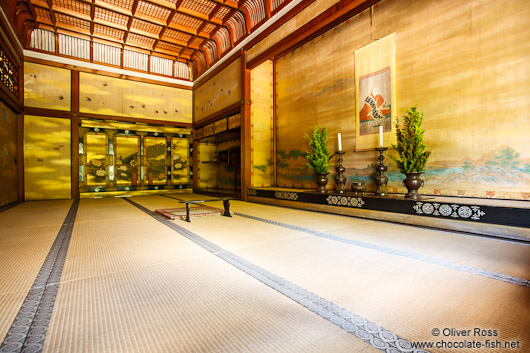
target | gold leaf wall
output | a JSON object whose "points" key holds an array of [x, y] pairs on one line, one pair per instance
{"points": [[261, 126], [219, 92], [8, 156], [113, 96], [463, 62], [47, 163], [46, 87], [300, 19], [207, 168]]}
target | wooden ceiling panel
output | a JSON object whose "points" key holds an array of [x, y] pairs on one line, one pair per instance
{"points": [[143, 41], [152, 11], [71, 22], [146, 28], [118, 5], [74, 7], [107, 31], [176, 36], [222, 13], [186, 21], [168, 48], [196, 42], [204, 7], [209, 28], [112, 18], [187, 52], [43, 15], [196, 32]]}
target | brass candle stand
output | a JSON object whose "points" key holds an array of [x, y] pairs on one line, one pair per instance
{"points": [[381, 179], [340, 179]]}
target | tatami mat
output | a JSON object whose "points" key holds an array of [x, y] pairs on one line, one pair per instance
{"points": [[403, 295], [132, 284], [27, 232], [482, 252], [197, 305]]}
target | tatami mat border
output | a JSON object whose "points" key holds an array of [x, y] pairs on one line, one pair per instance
{"points": [[433, 260], [28, 331], [369, 332]]}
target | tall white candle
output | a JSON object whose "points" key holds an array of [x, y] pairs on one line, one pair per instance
{"points": [[380, 135], [340, 142]]}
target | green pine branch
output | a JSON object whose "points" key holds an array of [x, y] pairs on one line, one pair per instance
{"points": [[318, 156], [413, 153]]}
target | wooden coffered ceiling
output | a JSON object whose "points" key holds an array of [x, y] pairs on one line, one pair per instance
{"points": [[194, 32]]}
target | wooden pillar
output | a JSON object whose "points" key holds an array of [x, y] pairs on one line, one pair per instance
{"points": [[196, 165], [20, 157], [20, 135], [246, 144], [74, 128], [194, 144], [274, 124]]}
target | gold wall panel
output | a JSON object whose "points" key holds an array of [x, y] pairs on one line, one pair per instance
{"points": [[180, 160], [207, 168], [132, 158], [469, 78], [46, 87], [127, 152], [261, 126], [47, 158], [8, 156], [96, 164], [155, 160], [219, 92], [303, 17], [114, 96]]}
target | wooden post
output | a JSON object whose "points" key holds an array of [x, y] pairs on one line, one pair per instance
{"points": [[246, 143], [74, 133], [20, 137], [20, 157]]}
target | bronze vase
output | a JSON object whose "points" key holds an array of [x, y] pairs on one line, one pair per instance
{"points": [[322, 180], [413, 183]]}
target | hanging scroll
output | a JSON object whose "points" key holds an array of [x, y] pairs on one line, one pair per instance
{"points": [[375, 84]]}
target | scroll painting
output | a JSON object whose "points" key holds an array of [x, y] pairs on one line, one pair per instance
{"points": [[375, 82]]}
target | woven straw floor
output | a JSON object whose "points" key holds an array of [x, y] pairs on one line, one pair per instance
{"points": [[132, 284], [27, 232]]}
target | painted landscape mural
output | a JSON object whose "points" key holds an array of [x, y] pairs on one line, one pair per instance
{"points": [[127, 160], [478, 148]]}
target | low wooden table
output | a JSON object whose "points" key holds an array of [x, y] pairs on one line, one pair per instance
{"points": [[226, 204]]}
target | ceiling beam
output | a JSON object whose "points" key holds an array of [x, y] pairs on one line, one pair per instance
{"points": [[214, 11], [131, 18], [198, 15], [92, 16], [52, 15], [232, 4], [163, 31]]}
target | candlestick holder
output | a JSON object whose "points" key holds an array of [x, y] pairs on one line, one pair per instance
{"points": [[340, 179], [381, 179]]}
